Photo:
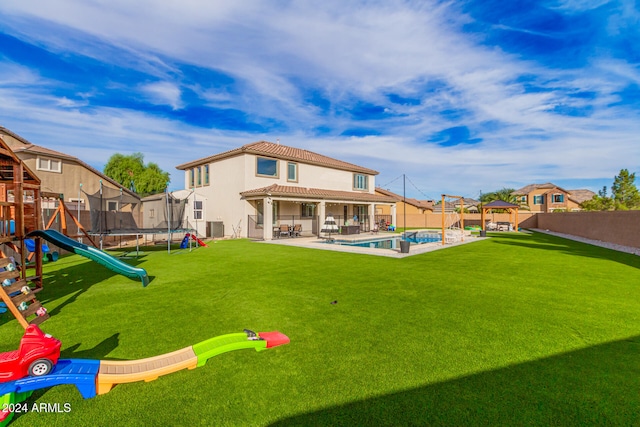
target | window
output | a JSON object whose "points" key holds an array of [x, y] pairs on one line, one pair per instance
{"points": [[266, 167], [112, 206], [292, 172], [47, 164], [523, 199], [192, 178], [206, 174], [359, 212], [557, 198], [197, 209], [308, 210], [538, 200], [360, 181], [152, 213], [77, 203], [260, 212], [199, 176]]}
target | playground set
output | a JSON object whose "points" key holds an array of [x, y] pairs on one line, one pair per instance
{"points": [[37, 364]]}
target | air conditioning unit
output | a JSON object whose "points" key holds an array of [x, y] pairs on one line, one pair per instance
{"points": [[215, 229]]}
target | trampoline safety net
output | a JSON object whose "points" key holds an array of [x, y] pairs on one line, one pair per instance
{"points": [[115, 212]]}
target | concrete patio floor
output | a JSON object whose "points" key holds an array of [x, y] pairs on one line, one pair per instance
{"points": [[415, 249]]}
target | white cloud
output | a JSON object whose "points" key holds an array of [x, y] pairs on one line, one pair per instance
{"points": [[163, 93], [346, 50]]}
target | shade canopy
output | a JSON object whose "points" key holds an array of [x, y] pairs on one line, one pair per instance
{"points": [[501, 204]]}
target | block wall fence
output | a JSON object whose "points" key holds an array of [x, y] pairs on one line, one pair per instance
{"points": [[618, 227]]}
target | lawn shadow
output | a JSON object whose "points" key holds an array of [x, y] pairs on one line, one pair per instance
{"points": [[73, 281], [593, 386], [543, 241]]}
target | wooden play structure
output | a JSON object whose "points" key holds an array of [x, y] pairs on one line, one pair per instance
{"points": [[20, 214], [62, 212]]}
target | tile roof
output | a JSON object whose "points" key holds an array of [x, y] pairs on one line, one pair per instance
{"points": [[36, 149], [283, 152], [315, 193], [422, 204], [581, 195], [529, 188]]}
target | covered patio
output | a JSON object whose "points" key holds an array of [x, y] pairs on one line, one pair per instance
{"points": [[287, 211]]}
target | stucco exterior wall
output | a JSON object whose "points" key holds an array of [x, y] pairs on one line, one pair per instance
{"points": [[68, 180], [230, 176], [310, 176]]}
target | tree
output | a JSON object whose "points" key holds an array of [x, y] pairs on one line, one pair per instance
{"points": [[131, 172], [504, 194], [624, 192], [599, 202]]}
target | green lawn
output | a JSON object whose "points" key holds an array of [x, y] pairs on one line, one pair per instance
{"points": [[513, 330]]}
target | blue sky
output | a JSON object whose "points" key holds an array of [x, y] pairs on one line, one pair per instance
{"points": [[460, 97]]}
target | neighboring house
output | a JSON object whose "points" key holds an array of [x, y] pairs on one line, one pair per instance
{"points": [[67, 175], [549, 197], [470, 205], [255, 188], [413, 206]]}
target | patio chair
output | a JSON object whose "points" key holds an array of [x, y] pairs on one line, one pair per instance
{"points": [[375, 228], [383, 225], [285, 230], [297, 230]]}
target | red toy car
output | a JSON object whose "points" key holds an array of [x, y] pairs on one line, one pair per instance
{"points": [[37, 355]]}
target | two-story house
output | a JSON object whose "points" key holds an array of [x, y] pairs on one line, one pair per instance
{"points": [[68, 176], [256, 188], [549, 197]]}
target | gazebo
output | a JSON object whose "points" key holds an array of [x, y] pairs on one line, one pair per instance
{"points": [[501, 204]]}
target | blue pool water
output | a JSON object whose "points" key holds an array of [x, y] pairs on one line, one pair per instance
{"points": [[388, 242]]}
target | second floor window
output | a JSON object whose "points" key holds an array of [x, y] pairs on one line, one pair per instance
{"points": [[266, 167], [557, 198], [51, 165], [360, 181], [292, 172], [538, 200]]}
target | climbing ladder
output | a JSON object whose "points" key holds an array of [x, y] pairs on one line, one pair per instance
{"points": [[13, 296]]}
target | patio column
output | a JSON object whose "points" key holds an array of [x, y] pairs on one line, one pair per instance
{"points": [[393, 215], [267, 226], [322, 208], [372, 215]]}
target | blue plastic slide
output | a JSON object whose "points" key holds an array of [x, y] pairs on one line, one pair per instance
{"points": [[102, 258]]}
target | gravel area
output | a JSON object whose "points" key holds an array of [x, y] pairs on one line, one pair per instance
{"points": [[619, 248]]}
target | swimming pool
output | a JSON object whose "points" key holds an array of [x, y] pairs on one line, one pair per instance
{"points": [[385, 242], [423, 237]]}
